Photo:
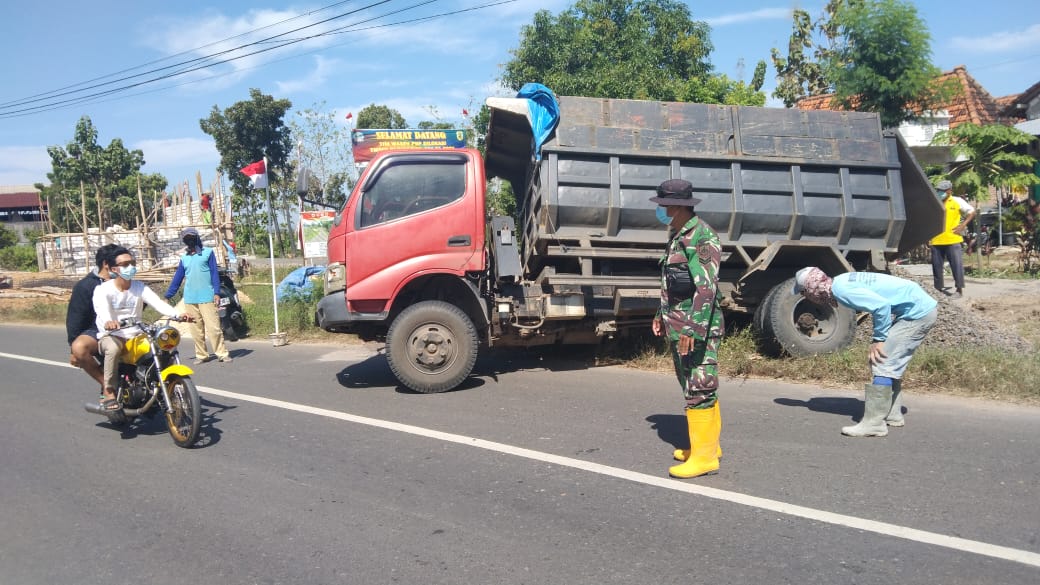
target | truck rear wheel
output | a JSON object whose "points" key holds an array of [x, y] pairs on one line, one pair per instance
{"points": [[432, 346], [792, 324]]}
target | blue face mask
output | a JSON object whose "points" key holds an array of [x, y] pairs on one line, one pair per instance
{"points": [[128, 272], [662, 215]]}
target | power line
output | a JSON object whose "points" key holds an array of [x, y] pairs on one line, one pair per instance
{"points": [[214, 59], [185, 66]]}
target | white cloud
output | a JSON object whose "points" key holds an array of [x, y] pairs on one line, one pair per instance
{"points": [[160, 155], [24, 165], [750, 16], [314, 80], [1000, 42]]}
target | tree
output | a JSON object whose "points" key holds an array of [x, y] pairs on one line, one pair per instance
{"points": [[373, 116], [244, 133], [635, 49], [987, 156], [83, 162], [799, 75], [882, 61], [323, 147]]}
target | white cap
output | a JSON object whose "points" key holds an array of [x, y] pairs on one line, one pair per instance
{"points": [[799, 278]]}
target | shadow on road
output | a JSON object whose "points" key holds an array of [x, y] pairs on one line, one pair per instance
{"points": [[851, 407], [671, 428], [374, 372]]}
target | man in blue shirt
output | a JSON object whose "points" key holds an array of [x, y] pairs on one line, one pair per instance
{"points": [[902, 314], [198, 270]]}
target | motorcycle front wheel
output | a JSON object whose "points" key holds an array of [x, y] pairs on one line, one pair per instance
{"points": [[185, 416]]}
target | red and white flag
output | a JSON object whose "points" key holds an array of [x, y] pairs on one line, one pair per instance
{"points": [[257, 173], [350, 115]]}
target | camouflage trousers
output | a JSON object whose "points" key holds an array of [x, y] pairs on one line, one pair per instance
{"points": [[698, 372]]}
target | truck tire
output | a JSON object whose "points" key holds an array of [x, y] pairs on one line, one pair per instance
{"points": [[767, 342], [802, 328], [432, 346]]}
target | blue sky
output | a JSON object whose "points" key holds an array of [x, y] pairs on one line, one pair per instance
{"points": [[426, 69]]}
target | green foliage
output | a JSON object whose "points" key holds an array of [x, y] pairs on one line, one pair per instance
{"points": [[987, 156], [799, 75], [882, 61], [33, 236], [7, 237], [87, 178], [18, 258], [244, 133], [373, 116], [634, 49]]}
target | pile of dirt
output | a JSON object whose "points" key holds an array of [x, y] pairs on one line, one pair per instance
{"points": [[991, 313]]}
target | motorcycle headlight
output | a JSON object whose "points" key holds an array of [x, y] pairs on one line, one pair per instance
{"points": [[168, 339]]}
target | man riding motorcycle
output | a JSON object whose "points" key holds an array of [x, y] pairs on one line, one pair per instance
{"points": [[80, 316]]}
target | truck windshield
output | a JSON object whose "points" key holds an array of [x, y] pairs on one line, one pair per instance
{"points": [[407, 188]]}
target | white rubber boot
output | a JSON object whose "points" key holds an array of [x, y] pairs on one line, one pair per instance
{"points": [[877, 403]]}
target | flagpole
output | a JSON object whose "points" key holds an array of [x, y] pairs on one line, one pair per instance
{"points": [[270, 244]]}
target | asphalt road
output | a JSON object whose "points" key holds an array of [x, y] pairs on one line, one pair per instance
{"points": [[316, 468]]}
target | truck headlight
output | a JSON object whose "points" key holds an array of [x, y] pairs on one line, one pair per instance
{"points": [[335, 278]]}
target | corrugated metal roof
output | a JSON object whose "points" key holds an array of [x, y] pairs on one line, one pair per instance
{"points": [[1030, 127], [8, 189]]}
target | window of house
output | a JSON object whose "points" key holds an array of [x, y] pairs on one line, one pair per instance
{"points": [[408, 187]]}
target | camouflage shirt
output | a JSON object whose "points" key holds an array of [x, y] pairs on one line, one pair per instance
{"points": [[697, 245]]}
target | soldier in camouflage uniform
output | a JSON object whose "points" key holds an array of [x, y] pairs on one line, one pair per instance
{"points": [[692, 320]]}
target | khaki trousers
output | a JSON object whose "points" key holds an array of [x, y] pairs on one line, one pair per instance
{"points": [[111, 348], [206, 327]]}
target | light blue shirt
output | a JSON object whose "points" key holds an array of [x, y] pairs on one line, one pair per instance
{"points": [[883, 296]]}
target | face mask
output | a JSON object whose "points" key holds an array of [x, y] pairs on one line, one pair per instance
{"points": [[662, 215], [128, 272]]}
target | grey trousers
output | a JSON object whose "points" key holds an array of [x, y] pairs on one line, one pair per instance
{"points": [[940, 254]]}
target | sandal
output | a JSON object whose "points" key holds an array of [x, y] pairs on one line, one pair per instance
{"points": [[110, 405]]}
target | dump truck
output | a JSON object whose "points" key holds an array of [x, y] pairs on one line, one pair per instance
{"points": [[415, 258]]}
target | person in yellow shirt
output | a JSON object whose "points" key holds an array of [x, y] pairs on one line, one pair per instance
{"points": [[946, 247]]}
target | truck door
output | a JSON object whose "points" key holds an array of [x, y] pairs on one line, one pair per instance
{"points": [[417, 213]]}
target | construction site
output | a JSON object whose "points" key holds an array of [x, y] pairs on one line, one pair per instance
{"points": [[64, 257]]}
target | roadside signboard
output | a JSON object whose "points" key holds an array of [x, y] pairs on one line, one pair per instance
{"points": [[314, 232]]}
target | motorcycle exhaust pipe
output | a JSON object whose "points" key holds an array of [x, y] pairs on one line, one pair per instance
{"points": [[96, 408], [115, 416]]}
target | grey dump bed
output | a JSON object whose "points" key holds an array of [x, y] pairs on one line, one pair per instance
{"points": [[765, 175]]}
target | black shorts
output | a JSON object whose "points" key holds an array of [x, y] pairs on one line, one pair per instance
{"points": [[91, 332]]}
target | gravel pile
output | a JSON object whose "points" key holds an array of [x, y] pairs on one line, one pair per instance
{"points": [[956, 326]]}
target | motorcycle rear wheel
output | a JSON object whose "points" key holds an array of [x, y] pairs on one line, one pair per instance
{"points": [[185, 417]]}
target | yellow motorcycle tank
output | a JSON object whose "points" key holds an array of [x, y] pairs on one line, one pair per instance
{"points": [[135, 349]]}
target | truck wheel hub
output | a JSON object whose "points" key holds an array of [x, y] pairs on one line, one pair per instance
{"points": [[431, 348]]}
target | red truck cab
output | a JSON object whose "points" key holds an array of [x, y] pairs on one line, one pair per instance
{"points": [[413, 229]]}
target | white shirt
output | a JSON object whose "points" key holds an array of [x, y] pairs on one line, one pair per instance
{"points": [[112, 304]]}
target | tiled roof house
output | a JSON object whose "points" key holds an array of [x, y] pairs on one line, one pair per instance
{"points": [[972, 104]]}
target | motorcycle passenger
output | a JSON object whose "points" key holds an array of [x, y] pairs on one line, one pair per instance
{"points": [[116, 299], [80, 319], [198, 270]]}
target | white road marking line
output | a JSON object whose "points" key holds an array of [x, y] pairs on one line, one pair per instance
{"points": [[883, 528]]}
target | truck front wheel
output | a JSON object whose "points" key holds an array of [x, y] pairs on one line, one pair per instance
{"points": [[802, 328], [432, 346]]}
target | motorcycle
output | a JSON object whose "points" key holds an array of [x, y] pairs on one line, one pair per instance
{"points": [[232, 319], [152, 380]]}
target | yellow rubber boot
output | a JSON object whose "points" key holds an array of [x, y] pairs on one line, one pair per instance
{"points": [[684, 454], [704, 441]]}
